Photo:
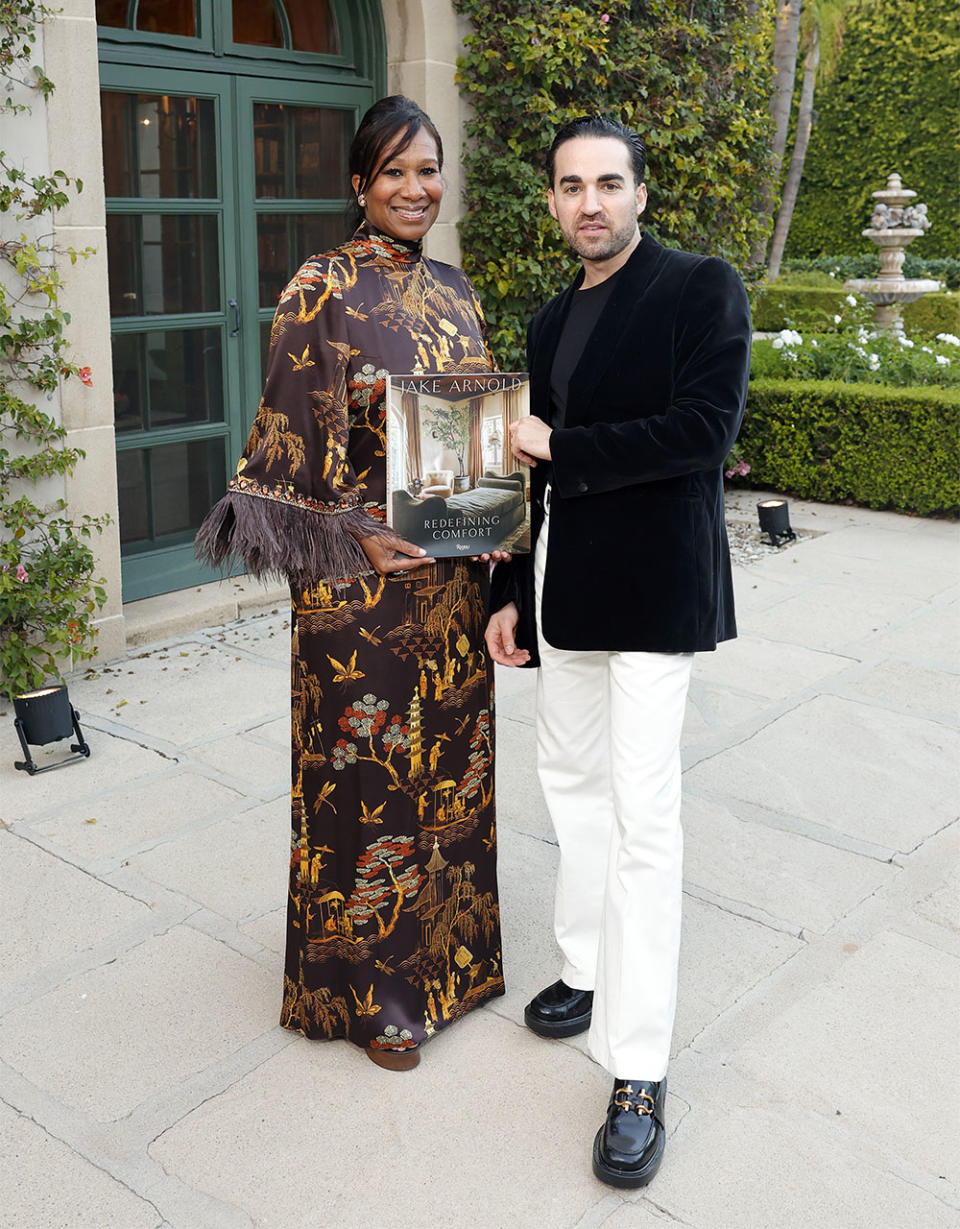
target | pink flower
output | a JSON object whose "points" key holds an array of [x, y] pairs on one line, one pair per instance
{"points": [[21, 572], [604, 17], [86, 376]]}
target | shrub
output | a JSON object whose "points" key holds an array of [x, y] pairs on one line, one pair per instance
{"points": [[858, 356], [945, 269], [785, 304], [893, 448]]}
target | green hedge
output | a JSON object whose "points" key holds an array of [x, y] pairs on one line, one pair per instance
{"points": [[893, 105], [945, 269], [781, 305], [894, 448]]}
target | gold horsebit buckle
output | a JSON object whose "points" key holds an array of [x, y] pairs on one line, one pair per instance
{"points": [[641, 1103]]}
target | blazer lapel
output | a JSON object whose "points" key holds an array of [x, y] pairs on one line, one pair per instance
{"points": [[598, 353]]}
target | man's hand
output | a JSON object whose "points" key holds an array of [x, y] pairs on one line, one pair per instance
{"points": [[393, 554], [530, 440], [501, 635]]}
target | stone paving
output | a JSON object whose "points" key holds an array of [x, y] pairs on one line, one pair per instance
{"points": [[144, 1081]]}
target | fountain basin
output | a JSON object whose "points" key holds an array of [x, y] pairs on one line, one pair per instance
{"points": [[892, 289]]}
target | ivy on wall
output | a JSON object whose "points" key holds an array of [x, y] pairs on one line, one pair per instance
{"points": [[693, 77], [49, 594], [894, 105]]}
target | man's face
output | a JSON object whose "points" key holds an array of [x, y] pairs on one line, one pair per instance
{"points": [[594, 197]]}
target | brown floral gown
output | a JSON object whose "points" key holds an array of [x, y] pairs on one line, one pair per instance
{"points": [[392, 922]]}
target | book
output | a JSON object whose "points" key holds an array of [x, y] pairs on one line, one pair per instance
{"points": [[453, 485]]}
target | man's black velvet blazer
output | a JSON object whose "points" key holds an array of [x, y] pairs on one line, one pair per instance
{"points": [[637, 558]]}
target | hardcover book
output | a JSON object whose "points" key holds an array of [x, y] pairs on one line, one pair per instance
{"points": [[453, 486]]}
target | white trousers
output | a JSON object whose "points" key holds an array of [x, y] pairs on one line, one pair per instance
{"points": [[608, 758]]}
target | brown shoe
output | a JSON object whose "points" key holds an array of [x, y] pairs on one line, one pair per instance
{"points": [[394, 1060]]}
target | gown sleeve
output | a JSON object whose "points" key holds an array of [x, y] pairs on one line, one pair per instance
{"points": [[293, 506]]}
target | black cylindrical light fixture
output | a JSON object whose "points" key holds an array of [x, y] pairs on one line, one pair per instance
{"points": [[774, 517], [47, 716]]}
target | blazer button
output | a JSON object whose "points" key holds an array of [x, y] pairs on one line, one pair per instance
{"points": [[582, 487]]}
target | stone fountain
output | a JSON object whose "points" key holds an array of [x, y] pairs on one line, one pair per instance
{"points": [[894, 223]]}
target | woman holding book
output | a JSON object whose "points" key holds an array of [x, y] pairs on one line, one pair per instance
{"points": [[393, 923]]}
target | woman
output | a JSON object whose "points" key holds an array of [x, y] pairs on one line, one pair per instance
{"points": [[392, 922]]}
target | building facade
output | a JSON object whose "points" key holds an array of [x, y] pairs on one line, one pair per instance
{"points": [[211, 137]]}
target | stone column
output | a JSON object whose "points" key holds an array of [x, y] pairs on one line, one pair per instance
{"points": [[74, 144], [424, 38]]}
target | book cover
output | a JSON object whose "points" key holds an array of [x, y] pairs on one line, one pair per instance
{"points": [[453, 486]]}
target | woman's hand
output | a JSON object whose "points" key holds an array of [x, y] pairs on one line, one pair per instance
{"points": [[497, 556], [390, 554]]}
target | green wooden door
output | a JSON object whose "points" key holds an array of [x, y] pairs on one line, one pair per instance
{"points": [[221, 175]]}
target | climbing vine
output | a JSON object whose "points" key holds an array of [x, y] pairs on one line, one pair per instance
{"points": [[692, 76], [48, 592]]}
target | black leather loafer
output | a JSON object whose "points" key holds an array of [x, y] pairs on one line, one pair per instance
{"points": [[629, 1146], [559, 1011]]}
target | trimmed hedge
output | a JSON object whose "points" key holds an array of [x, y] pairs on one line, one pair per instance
{"points": [[781, 306], [945, 269], [895, 448]]}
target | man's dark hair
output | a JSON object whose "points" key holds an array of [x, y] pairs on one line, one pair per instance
{"points": [[600, 126], [376, 140]]}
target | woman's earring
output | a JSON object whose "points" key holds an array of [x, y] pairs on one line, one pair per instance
{"points": [[361, 200]]}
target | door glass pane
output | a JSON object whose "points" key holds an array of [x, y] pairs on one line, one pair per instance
{"points": [[133, 496], [285, 240], [256, 22], [301, 152], [168, 378], [112, 12], [313, 26], [158, 145], [168, 489], [186, 480], [129, 382], [168, 17], [161, 263]]}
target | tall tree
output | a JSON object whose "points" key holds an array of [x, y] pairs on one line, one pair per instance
{"points": [[786, 48], [820, 39]]}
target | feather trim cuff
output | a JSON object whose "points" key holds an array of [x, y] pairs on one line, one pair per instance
{"points": [[272, 538]]}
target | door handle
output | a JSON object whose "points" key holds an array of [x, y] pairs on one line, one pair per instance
{"points": [[237, 318]]}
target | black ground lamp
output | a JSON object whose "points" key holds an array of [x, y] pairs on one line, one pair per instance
{"points": [[47, 716], [775, 521]]}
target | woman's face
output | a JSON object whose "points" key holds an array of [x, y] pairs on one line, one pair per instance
{"points": [[403, 199]]}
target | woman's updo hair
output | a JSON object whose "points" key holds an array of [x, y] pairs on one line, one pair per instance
{"points": [[385, 131]]}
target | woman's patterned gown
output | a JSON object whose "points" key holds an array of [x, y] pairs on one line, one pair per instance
{"points": [[393, 923]]}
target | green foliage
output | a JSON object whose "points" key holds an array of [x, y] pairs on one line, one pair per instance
{"points": [[785, 304], [48, 593], [858, 356], [945, 269], [894, 448], [893, 105], [692, 76]]}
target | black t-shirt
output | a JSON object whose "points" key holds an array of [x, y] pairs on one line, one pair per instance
{"points": [[585, 308]]}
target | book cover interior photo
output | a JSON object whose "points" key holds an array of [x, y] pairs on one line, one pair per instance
{"points": [[453, 486]]}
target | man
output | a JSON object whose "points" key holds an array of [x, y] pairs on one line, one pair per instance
{"points": [[639, 376]]}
